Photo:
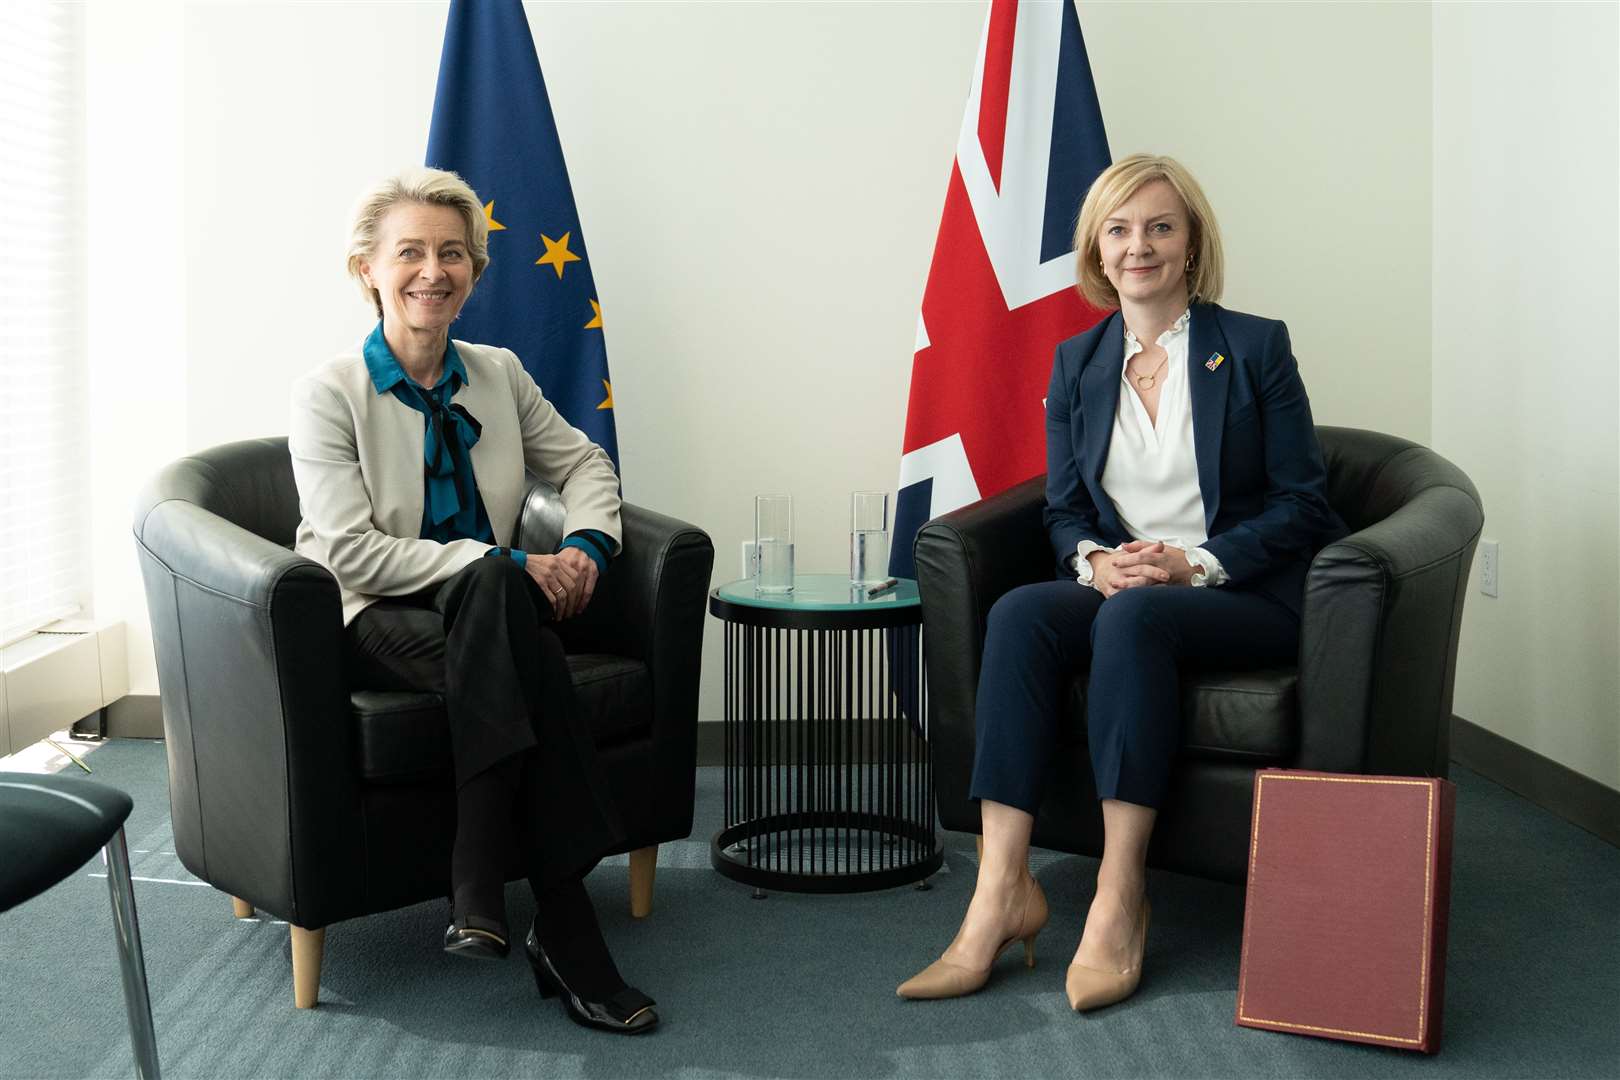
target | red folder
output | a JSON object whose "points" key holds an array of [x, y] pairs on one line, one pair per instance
{"points": [[1344, 929]]}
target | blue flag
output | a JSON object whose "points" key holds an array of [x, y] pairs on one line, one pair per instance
{"points": [[492, 124]]}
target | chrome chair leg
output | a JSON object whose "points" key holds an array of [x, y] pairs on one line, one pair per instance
{"points": [[130, 959]]}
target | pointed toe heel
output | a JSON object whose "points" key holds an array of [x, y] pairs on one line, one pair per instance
{"points": [[626, 1012], [476, 937], [1088, 988], [944, 979]]}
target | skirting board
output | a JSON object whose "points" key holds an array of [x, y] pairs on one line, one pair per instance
{"points": [[711, 742], [135, 716], [1556, 788]]}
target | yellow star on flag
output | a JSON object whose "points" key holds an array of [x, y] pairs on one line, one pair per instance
{"points": [[608, 404], [489, 216], [596, 322], [557, 254]]}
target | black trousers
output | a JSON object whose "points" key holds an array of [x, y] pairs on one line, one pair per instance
{"points": [[484, 640], [1135, 645]]}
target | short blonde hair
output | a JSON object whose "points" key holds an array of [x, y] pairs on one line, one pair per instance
{"points": [[1113, 188], [430, 187]]}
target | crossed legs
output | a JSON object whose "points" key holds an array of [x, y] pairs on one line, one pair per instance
{"points": [[525, 761]]}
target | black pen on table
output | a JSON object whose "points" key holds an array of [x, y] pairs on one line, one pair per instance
{"points": [[881, 587]]}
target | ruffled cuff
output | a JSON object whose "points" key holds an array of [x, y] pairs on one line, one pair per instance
{"points": [[1082, 568], [1214, 573]]}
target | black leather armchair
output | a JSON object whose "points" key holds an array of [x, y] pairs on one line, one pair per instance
{"points": [[1371, 692], [294, 794]]}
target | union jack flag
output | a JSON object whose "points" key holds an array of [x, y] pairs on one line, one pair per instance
{"points": [[1000, 292]]}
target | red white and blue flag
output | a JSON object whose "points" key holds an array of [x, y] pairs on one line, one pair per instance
{"points": [[1000, 293]]}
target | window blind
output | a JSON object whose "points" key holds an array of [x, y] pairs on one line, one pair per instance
{"points": [[44, 454]]}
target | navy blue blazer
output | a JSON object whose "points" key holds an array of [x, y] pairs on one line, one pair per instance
{"points": [[1260, 467]]}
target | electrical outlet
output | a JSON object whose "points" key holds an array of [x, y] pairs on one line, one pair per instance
{"points": [[1490, 567], [750, 560]]}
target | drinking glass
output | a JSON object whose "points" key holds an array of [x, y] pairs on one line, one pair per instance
{"points": [[868, 537], [773, 544]]}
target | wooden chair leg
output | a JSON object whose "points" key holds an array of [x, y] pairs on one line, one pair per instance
{"points": [[643, 865], [307, 946], [241, 908], [978, 845]]}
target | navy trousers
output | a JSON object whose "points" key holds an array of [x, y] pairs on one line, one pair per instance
{"points": [[1135, 645]]}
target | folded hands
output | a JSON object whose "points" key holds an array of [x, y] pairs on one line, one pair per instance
{"points": [[1139, 563], [568, 578]]}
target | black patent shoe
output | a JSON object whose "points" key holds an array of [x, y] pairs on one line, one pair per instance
{"points": [[477, 937], [627, 1012]]}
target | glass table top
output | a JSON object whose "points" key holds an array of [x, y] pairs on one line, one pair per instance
{"points": [[818, 592]]}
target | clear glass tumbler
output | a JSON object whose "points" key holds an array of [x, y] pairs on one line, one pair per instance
{"points": [[868, 537], [773, 544]]}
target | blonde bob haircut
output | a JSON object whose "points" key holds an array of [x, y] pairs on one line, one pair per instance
{"points": [[1112, 189], [430, 187]]}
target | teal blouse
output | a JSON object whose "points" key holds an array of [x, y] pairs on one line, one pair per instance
{"points": [[451, 506]]}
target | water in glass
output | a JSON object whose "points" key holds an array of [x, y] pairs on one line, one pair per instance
{"points": [[775, 567], [868, 556]]}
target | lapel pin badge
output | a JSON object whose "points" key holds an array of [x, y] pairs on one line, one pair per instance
{"points": [[1215, 360]]}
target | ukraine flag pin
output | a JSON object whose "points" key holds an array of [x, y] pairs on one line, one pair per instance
{"points": [[1215, 360]]}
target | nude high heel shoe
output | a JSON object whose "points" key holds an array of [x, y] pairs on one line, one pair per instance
{"points": [[1089, 988], [943, 979]]}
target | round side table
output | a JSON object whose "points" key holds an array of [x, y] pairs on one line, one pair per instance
{"points": [[828, 779]]}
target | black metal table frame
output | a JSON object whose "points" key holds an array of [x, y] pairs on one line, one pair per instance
{"points": [[828, 778]]}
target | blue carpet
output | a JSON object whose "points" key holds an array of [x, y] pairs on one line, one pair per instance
{"points": [[795, 985]]}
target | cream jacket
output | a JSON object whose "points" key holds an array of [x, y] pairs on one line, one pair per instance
{"points": [[357, 458]]}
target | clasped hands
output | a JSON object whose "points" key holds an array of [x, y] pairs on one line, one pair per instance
{"points": [[1139, 563], [568, 578]]}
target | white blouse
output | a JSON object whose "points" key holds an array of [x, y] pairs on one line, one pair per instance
{"points": [[1151, 474]]}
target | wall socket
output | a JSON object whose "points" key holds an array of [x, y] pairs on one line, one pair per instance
{"points": [[750, 560], [1490, 567]]}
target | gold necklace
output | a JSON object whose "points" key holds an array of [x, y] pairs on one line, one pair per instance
{"points": [[1145, 382]]}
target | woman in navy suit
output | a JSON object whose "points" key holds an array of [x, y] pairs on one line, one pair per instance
{"points": [[1185, 497]]}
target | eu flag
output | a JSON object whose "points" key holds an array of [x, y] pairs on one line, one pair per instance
{"points": [[492, 124]]}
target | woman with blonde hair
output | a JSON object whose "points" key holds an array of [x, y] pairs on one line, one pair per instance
{"points": [[409, 453], [1185, 495]]}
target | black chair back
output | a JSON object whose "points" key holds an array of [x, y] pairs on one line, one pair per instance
{"points": [[1371, 475], [248, 483]]}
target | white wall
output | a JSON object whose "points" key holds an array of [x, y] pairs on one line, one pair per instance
{"points": [[138, 286], [1309, 126], [761, 186], [1526, 365]]}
